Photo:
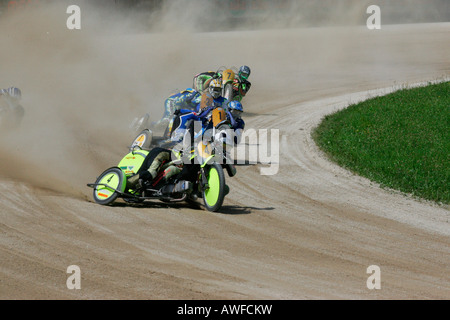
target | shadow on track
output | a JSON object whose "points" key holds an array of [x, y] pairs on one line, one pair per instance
{"points": [[241, 210], [226, 209]]}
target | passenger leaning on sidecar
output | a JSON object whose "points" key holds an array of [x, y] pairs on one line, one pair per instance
{"points": [[202, 80], [241, 85], [159, 159]]}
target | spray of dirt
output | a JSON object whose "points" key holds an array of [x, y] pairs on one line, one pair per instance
{"points": [[82, 88], [79, 96]]}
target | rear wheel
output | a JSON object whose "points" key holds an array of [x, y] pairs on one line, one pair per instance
{"points": [[214, 194], [106, 185]]}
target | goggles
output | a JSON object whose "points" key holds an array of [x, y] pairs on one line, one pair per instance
{"points": [[216, 91], [244, 75]]}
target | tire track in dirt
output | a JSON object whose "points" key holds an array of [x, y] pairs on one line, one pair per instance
{"points": [[307, 232]]}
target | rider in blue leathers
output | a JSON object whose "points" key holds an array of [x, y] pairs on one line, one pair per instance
{"points": [[161, 160], [186, 99], [211, 98]]}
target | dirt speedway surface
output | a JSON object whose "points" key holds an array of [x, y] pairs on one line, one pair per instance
{"points": [[307, 230]]}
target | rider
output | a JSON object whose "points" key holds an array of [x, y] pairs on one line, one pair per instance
{"points": [[186, 99], [229, 133], [234, 114], [241, 85], [209, 99], [13, 95], [157, 160], [170, 161]]}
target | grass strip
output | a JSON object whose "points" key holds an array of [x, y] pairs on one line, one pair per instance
{"points": [[401, 140]]}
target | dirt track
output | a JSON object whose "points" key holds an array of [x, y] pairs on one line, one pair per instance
{"points": [[308, 232]]}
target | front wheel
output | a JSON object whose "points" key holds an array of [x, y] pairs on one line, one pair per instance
{"points": [[215, 191], [107, 185]]}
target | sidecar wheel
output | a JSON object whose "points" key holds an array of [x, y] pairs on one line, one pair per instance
{"points": [[109, 181], [143, 139]]}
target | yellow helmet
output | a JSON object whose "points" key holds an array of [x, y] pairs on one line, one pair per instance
{"points": [[215, 88]]}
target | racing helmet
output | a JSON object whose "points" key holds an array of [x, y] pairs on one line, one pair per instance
{"points": [[235, 108], [215, 88], [244, 72]]}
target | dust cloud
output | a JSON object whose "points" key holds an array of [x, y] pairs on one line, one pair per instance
{"points": [[82, 88]]}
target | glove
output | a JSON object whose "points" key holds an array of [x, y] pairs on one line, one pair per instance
{"points": [[176, 112]]}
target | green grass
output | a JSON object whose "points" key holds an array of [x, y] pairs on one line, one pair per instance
{"points": [[401, 140]]}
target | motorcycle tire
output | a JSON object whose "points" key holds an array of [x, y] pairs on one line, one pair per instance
{"points": [[214, 194]]}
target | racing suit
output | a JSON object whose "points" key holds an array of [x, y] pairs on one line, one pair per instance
{"points": [[185, 117], [238, 126], [186, 99], [240, 88], [159, 159], [202, 80]]}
